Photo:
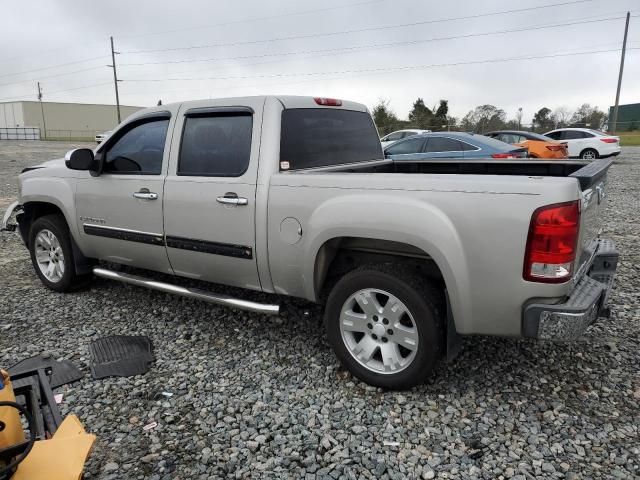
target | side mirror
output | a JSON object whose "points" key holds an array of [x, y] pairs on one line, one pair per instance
{"points": [[79, 159]]}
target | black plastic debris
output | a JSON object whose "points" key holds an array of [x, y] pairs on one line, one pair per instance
{"points": [[59, 372], [121, 356]]}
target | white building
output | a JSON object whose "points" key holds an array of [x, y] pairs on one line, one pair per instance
{"points": [[73, 121]]}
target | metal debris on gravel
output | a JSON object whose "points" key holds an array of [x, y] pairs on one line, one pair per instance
{"points": [[261, 397]]}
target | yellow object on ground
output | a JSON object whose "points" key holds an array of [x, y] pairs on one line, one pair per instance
{"points": [[12, 433], [60, 458]]}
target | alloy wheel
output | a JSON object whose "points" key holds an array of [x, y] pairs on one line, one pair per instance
{"points": [[49, 255], [379, 331]]}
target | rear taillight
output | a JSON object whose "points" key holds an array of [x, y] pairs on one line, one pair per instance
{"points": [[328, 102], [555, 148], [552, 243], [504, 155], [609, 140]]}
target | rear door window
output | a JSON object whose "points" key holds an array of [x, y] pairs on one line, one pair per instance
{"points": [[412, 145], [216, 146], [575, 135], [467, 147], [555, 135], [442, 144], [320, 137]]}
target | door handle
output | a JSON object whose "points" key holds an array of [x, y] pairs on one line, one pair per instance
{"points": [[145, 194], [232, 199]]}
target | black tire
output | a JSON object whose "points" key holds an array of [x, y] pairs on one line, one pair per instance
{"points": [[424, 301], [587, 153], [57, 225]]}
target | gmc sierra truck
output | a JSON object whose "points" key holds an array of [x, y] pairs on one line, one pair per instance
{"points": [[292, 196]]}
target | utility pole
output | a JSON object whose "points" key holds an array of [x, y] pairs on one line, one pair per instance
{"points": [[520, 118], [44, 124], [624, 50], [115, 77]]}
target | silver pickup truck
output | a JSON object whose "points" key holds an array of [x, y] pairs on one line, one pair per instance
{"points": [[292, 196]]}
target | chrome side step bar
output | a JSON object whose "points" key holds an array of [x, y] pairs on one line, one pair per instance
{"points": [[187, 292]]}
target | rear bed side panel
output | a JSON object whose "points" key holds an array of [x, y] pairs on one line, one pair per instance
{"points": [[474, 227]]}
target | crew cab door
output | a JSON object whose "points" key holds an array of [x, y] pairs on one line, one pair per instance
{"points": [[119, 212], [210, 192]]}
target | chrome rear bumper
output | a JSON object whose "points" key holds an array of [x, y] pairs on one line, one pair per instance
{"points": [[586, 303]]}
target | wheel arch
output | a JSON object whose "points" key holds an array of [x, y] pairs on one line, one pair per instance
{"points": [[587, 149], [341, 254], [32, 210]]}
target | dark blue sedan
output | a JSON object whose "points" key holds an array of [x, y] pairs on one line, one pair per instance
{"points": [[428, 146]]}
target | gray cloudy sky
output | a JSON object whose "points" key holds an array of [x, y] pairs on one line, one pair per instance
{"points": [[251, 47]]}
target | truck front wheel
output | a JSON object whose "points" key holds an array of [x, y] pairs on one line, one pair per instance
{"points": [[384, 323], [52, 254]]}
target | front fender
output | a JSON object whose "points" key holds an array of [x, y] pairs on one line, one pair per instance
{"points": [[399, 219], [55, 191]]}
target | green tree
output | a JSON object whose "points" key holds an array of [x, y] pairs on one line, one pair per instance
{"points": [[384, 118], [484, 118], [420, 115], [441, 117], [589, 117], [542, 120]]}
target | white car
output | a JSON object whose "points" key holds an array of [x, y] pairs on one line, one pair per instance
{"points": [[586, 143], [399, 135], [100, 137]]}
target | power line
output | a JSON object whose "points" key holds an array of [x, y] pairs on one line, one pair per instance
{"points": [[374, 46], [255, 19], [53, 66], [232, 22], [51, 76], [23, 97], [431, 40], [382, 71], [386, 69], [368, 29]]}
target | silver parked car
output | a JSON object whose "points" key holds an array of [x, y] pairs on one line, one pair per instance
{"points": [[399, 135]]}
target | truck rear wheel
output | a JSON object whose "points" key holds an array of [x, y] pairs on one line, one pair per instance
{"points": [[52, 254], [384, 323]]}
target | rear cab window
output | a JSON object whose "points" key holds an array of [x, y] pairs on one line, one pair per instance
{"points": [[321, 137]]}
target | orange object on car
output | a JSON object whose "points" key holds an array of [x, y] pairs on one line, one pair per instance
{"points": [[539, 146]]}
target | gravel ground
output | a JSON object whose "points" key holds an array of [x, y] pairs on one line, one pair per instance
{"points": [[260, 397]]}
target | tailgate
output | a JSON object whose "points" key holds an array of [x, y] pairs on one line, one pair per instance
{"points": [[593, 184]]}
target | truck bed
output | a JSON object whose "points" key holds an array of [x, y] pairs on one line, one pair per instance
{"points": [[586, 172]]}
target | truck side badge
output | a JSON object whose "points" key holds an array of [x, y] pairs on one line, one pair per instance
{"points": [[284, 165]]}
